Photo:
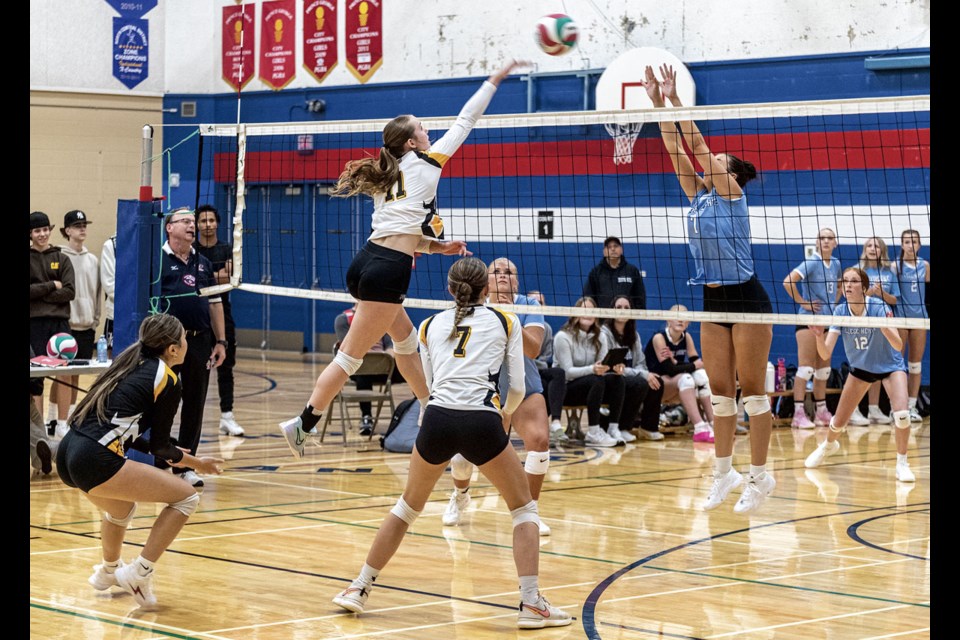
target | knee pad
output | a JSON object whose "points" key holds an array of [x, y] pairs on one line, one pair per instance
{"points": [[125, 521], [407, 345], [823, 373], [686, 381], [188, 505], [901, 419], [701, 379], [756, 405], [526, 513], [347, 362], [805, 372], [461, 468], [537, 462], [724, 406], [403, 511], [914, 368], [835, 428]]}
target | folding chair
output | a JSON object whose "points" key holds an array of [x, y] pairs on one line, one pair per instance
{"points": [[374, 363]]}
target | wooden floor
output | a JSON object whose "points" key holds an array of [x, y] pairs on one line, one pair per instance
{"points": [[839, 552]]}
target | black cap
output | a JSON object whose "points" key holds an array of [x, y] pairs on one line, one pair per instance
{"points": [[73, 217], [38, 220], [612, 239]]}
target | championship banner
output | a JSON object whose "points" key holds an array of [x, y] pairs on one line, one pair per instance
{"points": [[238, 45], [319, 37], [278, 37], [364, 37], [131, 53]]}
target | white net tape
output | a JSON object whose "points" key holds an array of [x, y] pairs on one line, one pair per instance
{"points": [[624, 136]]}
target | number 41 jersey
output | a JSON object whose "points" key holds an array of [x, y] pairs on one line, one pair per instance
{"points": [[462, 372], [867, 348]]}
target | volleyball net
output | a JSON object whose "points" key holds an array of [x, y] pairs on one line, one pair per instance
{"points": [[544, 190]]}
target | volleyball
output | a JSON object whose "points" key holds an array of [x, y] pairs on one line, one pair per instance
{"points": [[62, 345], [555, 34]]}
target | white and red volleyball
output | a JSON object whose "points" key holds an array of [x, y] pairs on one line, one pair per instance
{"points": [[62, 345], [555, 34]]}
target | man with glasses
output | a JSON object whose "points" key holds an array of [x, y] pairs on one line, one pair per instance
{"points": [[84, 309], [183, 273]]}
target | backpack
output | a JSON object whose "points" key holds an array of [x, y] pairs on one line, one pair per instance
{"points": [[402, 431]]}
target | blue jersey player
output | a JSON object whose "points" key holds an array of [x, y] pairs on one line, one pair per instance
{"points": [[875, 262], [815, 286], [874, 356], [913, 274]]}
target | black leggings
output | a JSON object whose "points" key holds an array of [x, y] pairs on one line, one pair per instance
{"points": [[638, 392], [593, 390], [554, 382]]}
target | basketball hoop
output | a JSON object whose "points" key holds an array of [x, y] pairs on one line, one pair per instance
{"points": [[624, 137]]}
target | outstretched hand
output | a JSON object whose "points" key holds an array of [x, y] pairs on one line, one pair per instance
{"points": [[652, 85], [507, 69], [669, 84]]}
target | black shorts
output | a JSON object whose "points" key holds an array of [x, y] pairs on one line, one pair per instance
{"points": [[867, 376], [85, 343], [84, 463], [476, 435], [379, 274], [745, 297]]}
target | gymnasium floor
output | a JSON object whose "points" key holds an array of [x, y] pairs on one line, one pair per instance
{"points": [[839, 552]]}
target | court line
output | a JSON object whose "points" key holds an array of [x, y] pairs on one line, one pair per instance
{"points": [[852, 532], [852, 614], [900, 635], [592, 600], [124, 622]]}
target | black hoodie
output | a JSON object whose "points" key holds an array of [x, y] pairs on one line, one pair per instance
{"points": [[605, 283]]}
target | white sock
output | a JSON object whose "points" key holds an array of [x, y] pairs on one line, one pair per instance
{"points": [[226, 415], [555, 425], [757, 470], [701, 426], [613, 425], [71, 409], [873, 408], [529, 589], [901, 458], [821, 405], [911, 403], [110, 566], [144, 566], [52, 412], [368, 575], [723, 465]]}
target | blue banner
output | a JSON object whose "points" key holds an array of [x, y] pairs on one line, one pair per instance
{"points": [[130, 51]]}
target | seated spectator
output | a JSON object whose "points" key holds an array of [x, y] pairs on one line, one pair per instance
{"points": [[578, 349], [672, 354], [364, 382], [553, 379], [641, 388]]}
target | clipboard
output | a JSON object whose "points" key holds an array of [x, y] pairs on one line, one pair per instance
{"points": [[615, 356]]}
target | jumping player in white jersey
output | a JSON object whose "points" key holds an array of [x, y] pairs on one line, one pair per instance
{"points": [[462, 351], [530, 419], [815, 286], [718, 228], [874, 356], [913, 272], [403, 184]]}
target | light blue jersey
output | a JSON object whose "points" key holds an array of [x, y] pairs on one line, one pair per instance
{"points": [[913, 289], [719, 234], [819, 283], [887, 279], [531, 375], [867, 348]]}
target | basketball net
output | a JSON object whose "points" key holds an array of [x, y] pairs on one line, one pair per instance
{"points": [[624, 137]]}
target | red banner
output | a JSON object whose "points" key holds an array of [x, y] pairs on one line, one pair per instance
{"points": [[237, 55], [319, 37], [278, 38], [364, 37]]}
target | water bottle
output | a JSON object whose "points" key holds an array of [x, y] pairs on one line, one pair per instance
{"points": [[781, 374], [102, 349], [771, 381]]}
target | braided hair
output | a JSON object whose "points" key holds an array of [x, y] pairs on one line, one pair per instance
{"points": [[466, 279]]}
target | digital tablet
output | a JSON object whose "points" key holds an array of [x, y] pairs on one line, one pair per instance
{"points": [[615, 356]]}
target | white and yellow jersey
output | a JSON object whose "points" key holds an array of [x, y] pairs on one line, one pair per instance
{"points": [[463, 372], [410, 206]]}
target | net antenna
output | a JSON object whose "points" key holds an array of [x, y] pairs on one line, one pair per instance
{"points": [[620, 89]]}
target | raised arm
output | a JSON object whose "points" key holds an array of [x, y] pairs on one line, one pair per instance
{"points": [[690, 182], [714, 169]]}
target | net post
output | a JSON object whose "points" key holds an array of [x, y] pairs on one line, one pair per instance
{"points": [[146, 164]]}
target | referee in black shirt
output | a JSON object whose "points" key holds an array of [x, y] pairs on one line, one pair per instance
{"points": [[183, 273]]}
